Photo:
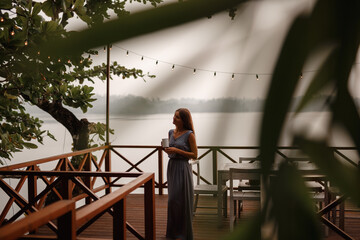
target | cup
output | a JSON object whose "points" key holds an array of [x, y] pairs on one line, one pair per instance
{"points": [[165, 142]]}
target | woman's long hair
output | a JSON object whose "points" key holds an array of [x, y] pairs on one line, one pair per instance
{"points": [[186, 118]]}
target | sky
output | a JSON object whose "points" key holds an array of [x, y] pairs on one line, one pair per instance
{"points": [[244, 47]]}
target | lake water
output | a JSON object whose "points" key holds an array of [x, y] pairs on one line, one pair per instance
{"points": [[212, 129], [223, 129]]}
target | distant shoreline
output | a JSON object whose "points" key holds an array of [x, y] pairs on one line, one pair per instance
{"points": [[136, 105]]}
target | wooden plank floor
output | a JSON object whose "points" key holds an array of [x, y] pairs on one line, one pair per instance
{"points": [[205, 226]]}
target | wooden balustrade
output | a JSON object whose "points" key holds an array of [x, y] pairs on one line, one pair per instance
{"points": [[63, 211], [69, 177]]}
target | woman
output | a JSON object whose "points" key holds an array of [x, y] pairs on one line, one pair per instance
{"points": [[182, 147]]}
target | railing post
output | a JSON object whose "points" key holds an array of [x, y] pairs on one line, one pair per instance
{"points": [[32, 189], [119, 220], [66, 226], [66, 184], [87, 179], [214, 158], [108, 167], [149, 205], [160, 163]]}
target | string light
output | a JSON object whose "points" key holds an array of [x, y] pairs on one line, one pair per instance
{"points": [[215, 73], [233, 76], [1, 19], [26, 42], [12, 33], [59, 60], [69, 61]]}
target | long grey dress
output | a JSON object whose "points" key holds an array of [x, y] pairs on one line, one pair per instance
{"points": [[180, 190]]}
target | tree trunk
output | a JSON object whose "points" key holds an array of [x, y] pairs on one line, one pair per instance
{"points": [[79, 129]]}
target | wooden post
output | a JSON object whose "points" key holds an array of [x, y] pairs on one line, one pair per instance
{"points": [[108, 167], [119, 220], [66, 184], [87, 179], [214, 158], [32, 190], [161, 181], [149, 205], [66, 226]]}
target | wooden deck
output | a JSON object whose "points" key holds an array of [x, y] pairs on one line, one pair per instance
{"points": [[205, 226]]}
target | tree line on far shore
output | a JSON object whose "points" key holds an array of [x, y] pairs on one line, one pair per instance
{"points": [[131, 104]]}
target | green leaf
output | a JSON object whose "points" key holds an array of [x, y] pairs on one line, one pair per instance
{"points": [[285, 76], [47, 8], [36, 9], [137, 24], [30, 145], [322, 79], [343, 176]]}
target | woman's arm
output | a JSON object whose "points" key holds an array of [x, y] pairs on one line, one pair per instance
{"points": [[193, 149]]}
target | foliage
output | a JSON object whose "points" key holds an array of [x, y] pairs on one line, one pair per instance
{"points": [[52, 83], [331, 24]]}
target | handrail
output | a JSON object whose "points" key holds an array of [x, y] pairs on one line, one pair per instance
{"points": [[52, 158], [116, 200], [63, 210]]}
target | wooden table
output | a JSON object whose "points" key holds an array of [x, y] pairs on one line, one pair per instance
{"points": [[308, 170]]}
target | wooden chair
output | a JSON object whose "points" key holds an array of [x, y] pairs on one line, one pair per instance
{"points": [[241, 195], [245, 185], [207, 189]]}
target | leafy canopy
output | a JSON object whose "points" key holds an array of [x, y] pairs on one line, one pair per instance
{"points": [[27, 75]]}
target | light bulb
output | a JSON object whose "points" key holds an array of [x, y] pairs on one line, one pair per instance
{"points": [[173, 66], [233, 76], [1, 19], [194, 71], [257, 77], [127, 53], [26, 42]]}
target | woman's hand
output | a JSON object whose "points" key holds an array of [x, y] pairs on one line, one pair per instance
{"points": [[171, 150]]}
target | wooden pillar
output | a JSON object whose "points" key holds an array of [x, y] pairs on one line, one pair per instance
{"points": [[149, 205], [87, 179], [66, 184], [66, 226], [108, 167], [160, 166], [32, 190], [32, 187], [214, 158], [119, 220]]}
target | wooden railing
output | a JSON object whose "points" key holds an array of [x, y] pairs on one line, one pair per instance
{"points": [[99, 163], [63, 211], [62, 179]]}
